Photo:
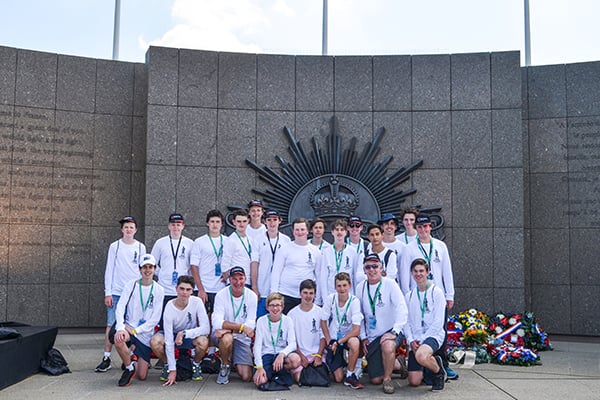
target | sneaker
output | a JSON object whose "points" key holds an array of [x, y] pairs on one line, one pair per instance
{"points": [[196, 372], [451, 374], [104, 365], [164, 375], [439, 378], [353, 382], [134, 358], [127, 377], [402, 371], [223, 377], [388, 387]]}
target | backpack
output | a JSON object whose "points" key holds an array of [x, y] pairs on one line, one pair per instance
{"points": [[54, 363], [184, 366]]}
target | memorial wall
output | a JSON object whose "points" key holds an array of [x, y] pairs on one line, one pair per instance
{"points": [[510, 155]]}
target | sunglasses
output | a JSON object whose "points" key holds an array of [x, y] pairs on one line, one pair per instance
{"points": [[355, 225], [371, 266]]}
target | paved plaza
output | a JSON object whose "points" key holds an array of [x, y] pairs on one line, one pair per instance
{"points": [[571, 371]]}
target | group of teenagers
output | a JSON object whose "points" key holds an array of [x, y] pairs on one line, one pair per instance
{"points": [[276, 308]]}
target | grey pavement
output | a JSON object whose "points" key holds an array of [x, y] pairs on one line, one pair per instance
{"points": [[571, 371]]}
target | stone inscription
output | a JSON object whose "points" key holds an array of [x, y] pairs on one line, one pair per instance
{"points": [[583, 179], [46, 176]]}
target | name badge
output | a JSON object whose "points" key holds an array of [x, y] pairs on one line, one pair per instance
{"points": [[218, 269], [372, 322], [174, 278]]}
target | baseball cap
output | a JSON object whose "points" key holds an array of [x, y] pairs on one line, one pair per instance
{"points": [[175, 217], [255, 203], [354, 220], [422, 220], [237, 270], [147, 259], [387, 217], [127, 218], [372, 257], [272, 213]]}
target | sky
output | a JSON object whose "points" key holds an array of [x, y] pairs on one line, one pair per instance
{"points": [[562, 31]]}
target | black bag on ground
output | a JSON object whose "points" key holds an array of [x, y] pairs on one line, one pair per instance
{"points": [[8, 333], [54, 363], [211, 364], [184, 366], [315, 376]]}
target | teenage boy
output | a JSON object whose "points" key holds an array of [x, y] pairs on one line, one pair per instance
{"points": [[121, 268], [186, 327], [136, 318], [233, 321], [298, 262], [267, 246], [172, 253], [355, 227], [436, 254], [318, 230], [389, 224], [339, 257], [386, 255], [205, 260], [237, 249], [409, 216], [306, 316], [340, 321], [425, 329], [256, 229], [274, 346], [385, 313]]}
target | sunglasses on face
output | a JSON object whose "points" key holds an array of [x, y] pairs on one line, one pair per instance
{"points": [[371, 266], [355, 225]]}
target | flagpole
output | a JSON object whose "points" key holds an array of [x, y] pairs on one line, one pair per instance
{"points": [[527, 35], [116, 31], [324, 42]]}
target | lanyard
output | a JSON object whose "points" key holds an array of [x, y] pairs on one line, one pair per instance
{"points": [[236, 313], [405, 238], [247, 248], [337, 312], [372, 299], [422, 305], [427, 256], [273, 248], [145, 307], [174, 252], [338, 257], [274, 340], [359, 245], [321, 245], [220, 252]]}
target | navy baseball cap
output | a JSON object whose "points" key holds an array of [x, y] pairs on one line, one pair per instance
{"points": [[387, 217], [175, 217], [422, 220]]}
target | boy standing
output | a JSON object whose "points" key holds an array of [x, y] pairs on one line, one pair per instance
{"points": [[238, 248], [122, 266], [136, 316], [256, 229]]}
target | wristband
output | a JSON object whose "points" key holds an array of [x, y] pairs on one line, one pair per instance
{"points": [[134, 332], [317, 355], [242, 328], [257, 367]]}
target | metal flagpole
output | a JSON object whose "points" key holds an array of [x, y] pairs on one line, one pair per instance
{"points": [[116, 32], [527, 36], [324, 43]]}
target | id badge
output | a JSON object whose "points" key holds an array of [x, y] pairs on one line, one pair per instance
{"points": [[141, 322], [218, 269], [174, 278], [339, 335], [372, 321]]}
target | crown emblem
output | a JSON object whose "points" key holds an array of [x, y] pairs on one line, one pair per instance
{"points": [[334, 198]]}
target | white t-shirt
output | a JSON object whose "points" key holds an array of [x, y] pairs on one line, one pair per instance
{"points": [[239, 310], [294, 265], [307, 326], [237, 252], [281, 333], [390, 268], [265, 253], [257, 233], [426, 315], [204, 255], [383, 308], [341, 319], [122, 265], [192, 319], [334, 262], [173, 260], [141, 317]]}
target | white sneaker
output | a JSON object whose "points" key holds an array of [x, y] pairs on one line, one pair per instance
{"points": [[223, 377]]}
